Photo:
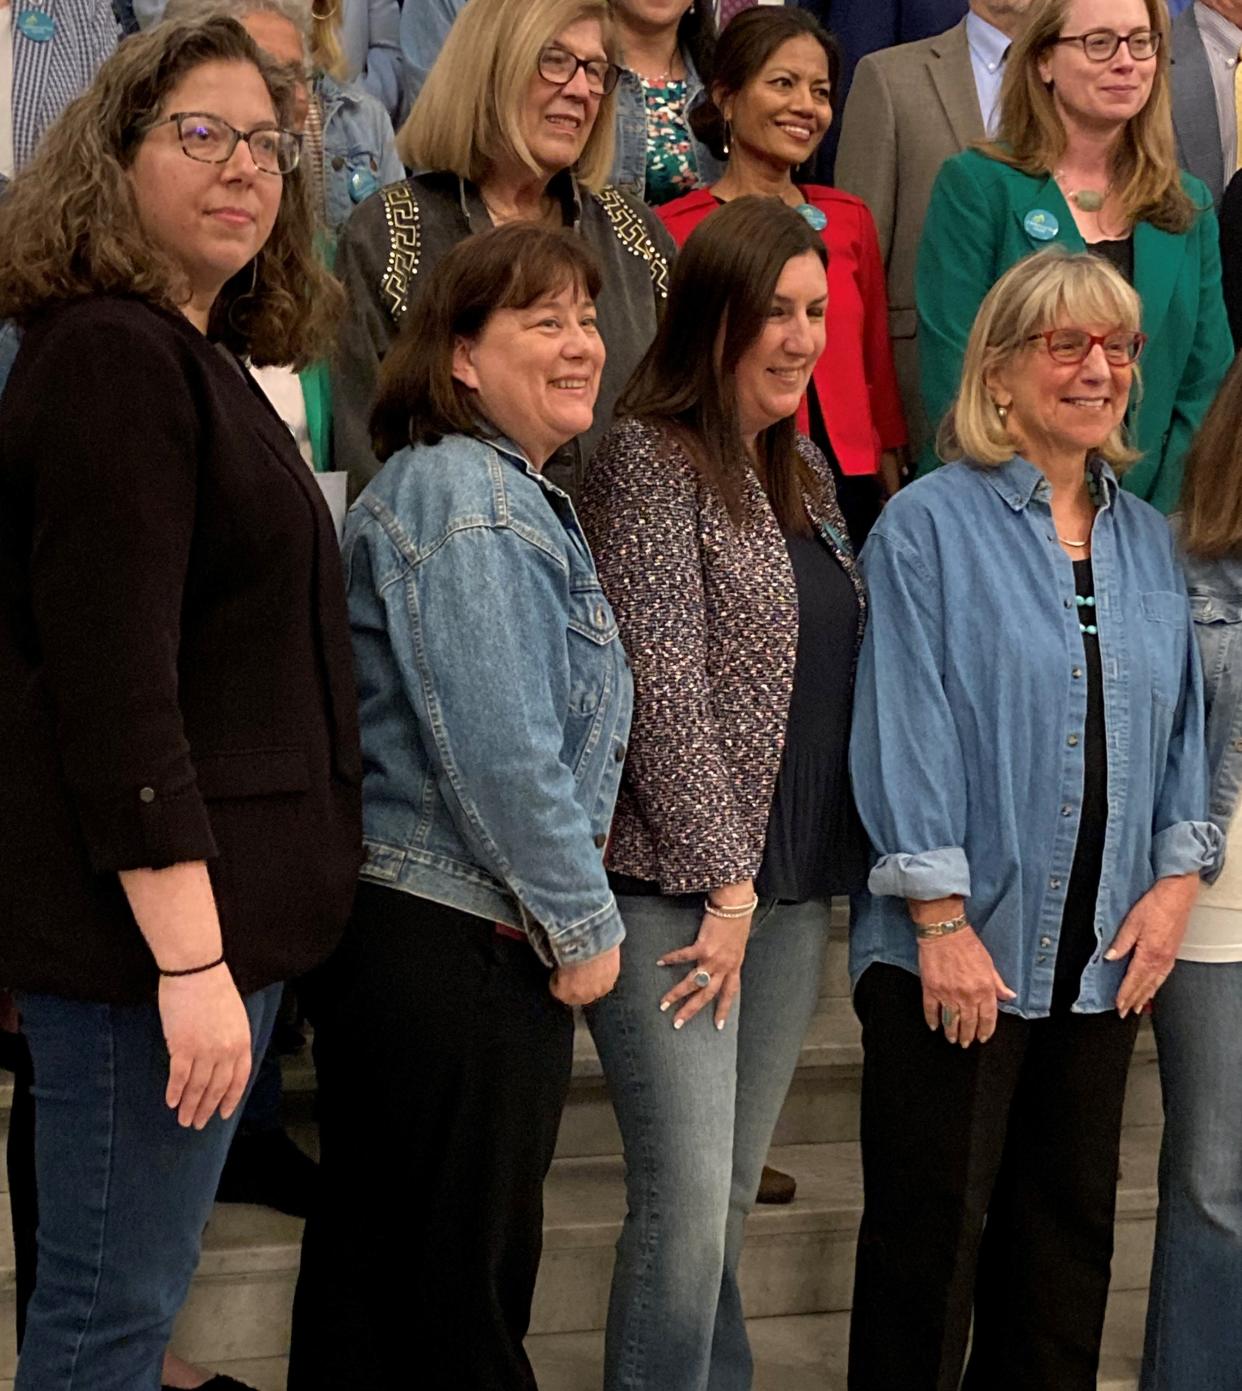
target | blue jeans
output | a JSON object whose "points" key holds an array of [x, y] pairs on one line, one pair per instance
{"points": [[697, 1109], [124, 1192], [1194, 1318]]}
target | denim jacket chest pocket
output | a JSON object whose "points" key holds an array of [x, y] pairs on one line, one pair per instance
{"points": [[1165, 637]]}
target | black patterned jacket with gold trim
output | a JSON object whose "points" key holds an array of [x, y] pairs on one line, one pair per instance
{"points": [[393, 240]]}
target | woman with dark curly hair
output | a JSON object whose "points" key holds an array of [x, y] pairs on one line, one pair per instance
{"points": [[181, 787]]}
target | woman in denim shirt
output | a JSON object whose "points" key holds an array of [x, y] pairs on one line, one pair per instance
{"points": [[1028, 758], [1194, 1338], [495, 706]]}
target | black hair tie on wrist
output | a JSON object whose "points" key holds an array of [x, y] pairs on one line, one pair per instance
{"points": [[194, 970]]}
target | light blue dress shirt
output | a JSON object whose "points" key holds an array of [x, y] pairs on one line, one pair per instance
{"points": [[968, 745], [988, 47], [424, 27]]}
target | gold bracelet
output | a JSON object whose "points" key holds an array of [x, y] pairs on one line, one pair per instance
{"points": [[927, 932], [736, 911]]}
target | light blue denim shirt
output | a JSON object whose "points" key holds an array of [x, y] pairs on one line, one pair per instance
{"points": [[494, 696], [359, 156], [1216, 606], [968, 742], [629, 164]]}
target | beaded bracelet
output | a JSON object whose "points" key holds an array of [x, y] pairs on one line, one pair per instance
{"points": [[741, 910]]}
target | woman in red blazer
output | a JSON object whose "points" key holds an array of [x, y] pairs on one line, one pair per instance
{"points": [[771, 106]]}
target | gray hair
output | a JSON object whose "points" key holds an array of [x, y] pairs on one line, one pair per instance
{"points": [[297, 12]]}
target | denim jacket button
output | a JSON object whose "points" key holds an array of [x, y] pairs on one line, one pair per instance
{"points": [[619, 755], [1045, 941], [1067, 810], [1072, 741], [601, 840], [1054, 882], [1077, 673]]}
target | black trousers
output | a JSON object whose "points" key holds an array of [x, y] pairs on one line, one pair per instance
{"points": [[990, 1180], [443, 1066]]}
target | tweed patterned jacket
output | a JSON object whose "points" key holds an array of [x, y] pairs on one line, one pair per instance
{"points": [[708, 614]]}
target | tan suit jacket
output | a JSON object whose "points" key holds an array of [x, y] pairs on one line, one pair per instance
{"points": [[909, 109]]}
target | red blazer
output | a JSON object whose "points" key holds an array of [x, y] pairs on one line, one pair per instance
{"points": [[855, 379]]}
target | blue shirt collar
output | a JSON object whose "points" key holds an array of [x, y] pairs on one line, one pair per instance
{"points": [[989, 44], [1018, 481]]}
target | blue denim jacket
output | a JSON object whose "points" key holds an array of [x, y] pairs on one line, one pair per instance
{"points": [[1216, 605], [967, 748], [629, 164], [494, 695], [359, 156]]}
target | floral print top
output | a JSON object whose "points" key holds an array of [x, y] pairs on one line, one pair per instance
{"points": [[672, 163]]}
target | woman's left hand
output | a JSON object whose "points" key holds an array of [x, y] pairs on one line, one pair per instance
{"points": [[718, 950], [1153, 930]]}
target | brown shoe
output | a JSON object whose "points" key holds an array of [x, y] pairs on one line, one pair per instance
{"points": [[775, 1187]]}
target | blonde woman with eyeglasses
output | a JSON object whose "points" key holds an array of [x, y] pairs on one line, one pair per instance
{"points": [[1040, 817], [1084, 158]]}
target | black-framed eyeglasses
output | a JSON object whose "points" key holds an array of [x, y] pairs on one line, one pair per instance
{"points": [[211, 140], [1100, 44], [1073, 345], [559, 66]]}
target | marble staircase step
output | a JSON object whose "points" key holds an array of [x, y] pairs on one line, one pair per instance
{"points": [[798, 1260]]}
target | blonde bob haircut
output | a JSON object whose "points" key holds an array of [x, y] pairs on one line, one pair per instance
{"points": [[1048, 289], [69, 224], [469, 112], [1030, 135]]}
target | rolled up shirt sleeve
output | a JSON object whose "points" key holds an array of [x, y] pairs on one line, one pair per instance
{"points": [[905, 756]]}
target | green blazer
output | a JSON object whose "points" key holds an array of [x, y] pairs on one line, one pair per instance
{"points": [[979, 224]]}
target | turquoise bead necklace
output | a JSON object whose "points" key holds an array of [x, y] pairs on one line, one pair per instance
{"points": [[1087, 601]]}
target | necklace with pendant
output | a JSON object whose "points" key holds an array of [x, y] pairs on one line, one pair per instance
{"points": [[1089, 200]]}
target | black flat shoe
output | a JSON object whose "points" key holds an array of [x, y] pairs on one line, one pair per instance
{"points": [[775, 1187], [218, 1383], [270, 1170]]}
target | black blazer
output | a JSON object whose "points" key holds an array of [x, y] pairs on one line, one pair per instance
{"points": [[176, 679]]}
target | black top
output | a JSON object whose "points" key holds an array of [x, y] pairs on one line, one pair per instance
{"points": [[816, 845], [1120, 252], [174, 655], [1231, 255], [1078, 940]]}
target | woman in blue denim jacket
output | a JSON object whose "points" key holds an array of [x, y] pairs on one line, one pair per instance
{"points": [[1028, 758], [495, 706], [666, 52], [1194, 1338]]}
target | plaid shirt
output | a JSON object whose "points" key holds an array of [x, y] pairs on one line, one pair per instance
{"points": [[48, 75]]}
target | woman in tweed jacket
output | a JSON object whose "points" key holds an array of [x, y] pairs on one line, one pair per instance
{"points": [[722, 550]]}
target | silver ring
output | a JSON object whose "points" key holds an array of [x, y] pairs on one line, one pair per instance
{"points": [[948, 1016], [702, 979]]}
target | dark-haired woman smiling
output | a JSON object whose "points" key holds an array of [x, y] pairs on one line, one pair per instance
{"points": [[495, 706], [722, 550]]}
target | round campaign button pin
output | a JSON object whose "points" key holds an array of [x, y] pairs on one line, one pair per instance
{"points": [[817, 217], [362, 184], [1041, 225], [37, 25]]}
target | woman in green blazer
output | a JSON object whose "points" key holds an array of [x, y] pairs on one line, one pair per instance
{"points": [[1084, 158]]}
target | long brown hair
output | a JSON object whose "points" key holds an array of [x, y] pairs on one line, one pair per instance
{"points": [[1211, 506], [719, 299], [508, 267], [1030, 135], [69, 225]]}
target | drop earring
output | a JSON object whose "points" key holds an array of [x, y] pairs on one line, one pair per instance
{"points": [[725, 143]]}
